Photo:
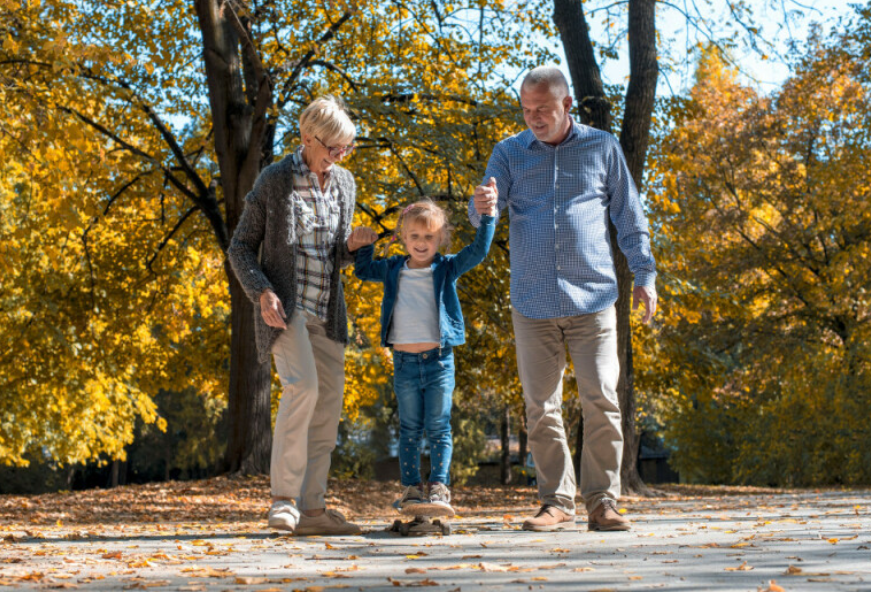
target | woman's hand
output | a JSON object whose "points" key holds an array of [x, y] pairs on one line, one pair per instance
{"points": [[272, 311], [361, 237]]}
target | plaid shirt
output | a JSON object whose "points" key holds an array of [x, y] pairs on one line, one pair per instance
{"points": [[317, 218], [558, 200]]}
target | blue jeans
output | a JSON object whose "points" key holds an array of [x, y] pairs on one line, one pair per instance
{"points": [[424, 386]]}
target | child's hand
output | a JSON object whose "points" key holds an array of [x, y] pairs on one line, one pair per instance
{"points": [[360, 237], [486, 197]]}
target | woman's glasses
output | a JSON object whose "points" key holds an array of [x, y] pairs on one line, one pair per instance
{"points": [[337, 152]]}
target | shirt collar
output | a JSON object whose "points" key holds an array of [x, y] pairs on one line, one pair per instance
{"points": [[300, 165], [574, 131], [435, 261]]}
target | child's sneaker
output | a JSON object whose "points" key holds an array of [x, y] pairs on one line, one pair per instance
{"points": [[411, 497], [437, 503]]}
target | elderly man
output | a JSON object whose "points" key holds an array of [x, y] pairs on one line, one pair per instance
{"points": [[561, 181]]}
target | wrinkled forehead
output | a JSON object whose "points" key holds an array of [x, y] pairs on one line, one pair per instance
{"points": [[535, 95]]}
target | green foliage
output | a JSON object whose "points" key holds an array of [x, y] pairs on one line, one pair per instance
{"points": [[469, 444]]}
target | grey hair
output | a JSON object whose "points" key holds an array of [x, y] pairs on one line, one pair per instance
{"points": [[548, 75], [327, 118]]}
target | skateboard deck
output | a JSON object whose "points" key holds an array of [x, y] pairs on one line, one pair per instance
{"points": [[421, 525]]}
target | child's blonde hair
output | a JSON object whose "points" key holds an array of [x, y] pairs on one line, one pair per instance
{"points": [[428, 213]]}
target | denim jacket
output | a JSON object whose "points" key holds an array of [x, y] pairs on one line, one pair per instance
{"points": [[446, 269]]}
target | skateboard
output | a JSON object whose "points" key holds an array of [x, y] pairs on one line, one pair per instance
{"points": [[421, 525]]}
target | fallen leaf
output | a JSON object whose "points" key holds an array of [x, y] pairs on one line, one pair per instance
{"points": [[412, 583], [773, 587], [485, 566], [742, 567], [415, 570], [792, 571], [147, 584], [248, 581]]}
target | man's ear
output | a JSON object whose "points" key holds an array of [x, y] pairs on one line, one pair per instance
{"points": [[567, 103]]}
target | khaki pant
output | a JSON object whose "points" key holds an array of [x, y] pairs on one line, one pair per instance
{"points": [[311, 367], [541, 360]]}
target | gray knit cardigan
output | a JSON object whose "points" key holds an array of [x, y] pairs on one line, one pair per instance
{"points": [[269, 225]]}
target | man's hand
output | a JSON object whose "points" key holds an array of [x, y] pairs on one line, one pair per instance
{"points": [[647, 295], [486, 197], [272, 311], [360, 237]]}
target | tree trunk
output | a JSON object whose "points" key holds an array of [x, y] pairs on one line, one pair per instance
{"points": [[522, 438], [579, 447], [634, 138], [239, 131], [116, 470], [505, 461], [248, 408], [594, 110]]}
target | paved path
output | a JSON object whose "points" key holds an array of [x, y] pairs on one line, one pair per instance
{"points": [[803, 541]]}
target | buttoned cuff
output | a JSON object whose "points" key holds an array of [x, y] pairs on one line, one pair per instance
{"points": [[646, 279]]}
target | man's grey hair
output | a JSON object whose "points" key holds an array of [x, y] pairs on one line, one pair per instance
{"points": [[552, 77]]}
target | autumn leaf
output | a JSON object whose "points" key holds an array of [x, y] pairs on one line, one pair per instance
{"points": [[742, 567], [248, 581]]}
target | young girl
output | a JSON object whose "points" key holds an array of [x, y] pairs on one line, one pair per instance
{"points": [[421, 320]]}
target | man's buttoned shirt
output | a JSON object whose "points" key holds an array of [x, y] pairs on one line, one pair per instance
{"points": [[559, 199]]}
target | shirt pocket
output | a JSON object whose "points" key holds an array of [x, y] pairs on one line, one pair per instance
{"points": [[334, 215], [583, 185]]}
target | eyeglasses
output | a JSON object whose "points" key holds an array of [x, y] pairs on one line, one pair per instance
{"points": [[337, 151]]}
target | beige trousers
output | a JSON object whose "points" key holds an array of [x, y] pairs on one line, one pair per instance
{"points": [[541, 359], [311, 367]]}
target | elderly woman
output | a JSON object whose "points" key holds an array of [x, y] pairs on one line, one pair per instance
{"points": [[292, 240]]}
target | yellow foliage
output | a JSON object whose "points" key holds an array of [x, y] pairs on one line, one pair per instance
{"points": [[762, 367]]}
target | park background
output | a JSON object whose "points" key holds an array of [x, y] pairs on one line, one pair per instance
{"points": [[131, 132]]}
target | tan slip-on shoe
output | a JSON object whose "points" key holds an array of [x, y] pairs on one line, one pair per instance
{"points": [[606, 517], [329, 523], [549, 518]]}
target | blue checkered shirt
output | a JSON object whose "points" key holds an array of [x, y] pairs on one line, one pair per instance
{"points": [[558, 200]]}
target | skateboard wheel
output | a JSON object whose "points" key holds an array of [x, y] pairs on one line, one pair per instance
{"points": [[397, 525], [446, 529], [404, 529]]}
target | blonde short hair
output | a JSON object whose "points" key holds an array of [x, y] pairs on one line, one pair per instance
{"points": [[327, 118], [428, 213]]}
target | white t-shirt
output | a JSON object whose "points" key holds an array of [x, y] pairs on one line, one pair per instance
{"points": [[415, 318]]}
